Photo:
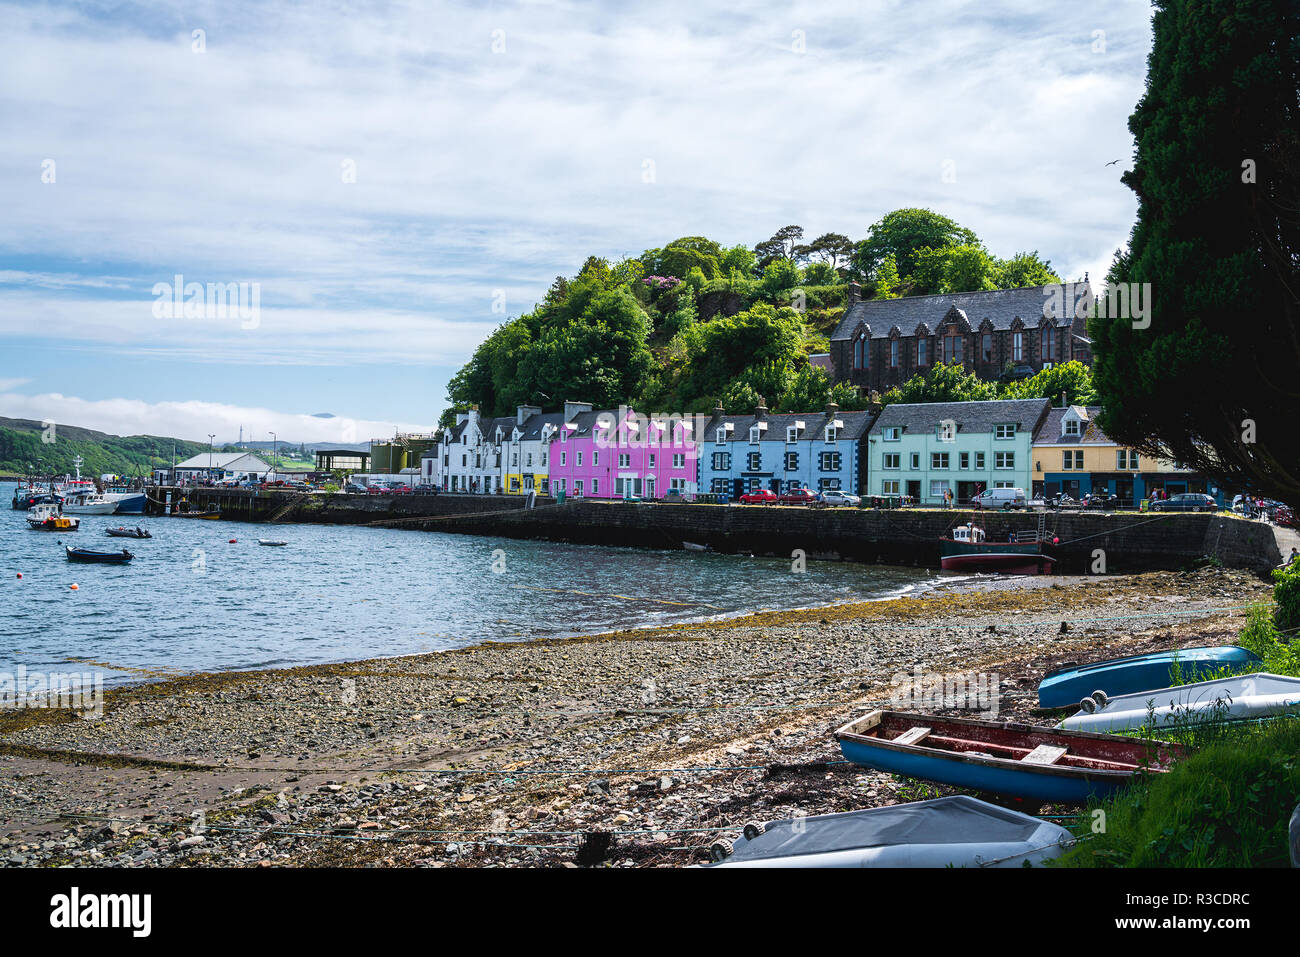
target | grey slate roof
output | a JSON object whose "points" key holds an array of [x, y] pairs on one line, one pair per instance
{"points": [[855, 426], [1052, 431], [1001, 307], [971, 417], [532, 427]]}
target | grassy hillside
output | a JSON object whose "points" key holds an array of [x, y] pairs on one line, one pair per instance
{"points": [[24, 450]]}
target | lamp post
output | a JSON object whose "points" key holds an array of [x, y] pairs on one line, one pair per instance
{"points": [[211, 436], [274, 450]]}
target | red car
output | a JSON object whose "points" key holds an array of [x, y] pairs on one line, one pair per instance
{"points": [[798, 496], [1282, 515], [760, 496]]}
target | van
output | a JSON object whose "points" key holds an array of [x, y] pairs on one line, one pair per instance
{"points": [[1003, 498]]}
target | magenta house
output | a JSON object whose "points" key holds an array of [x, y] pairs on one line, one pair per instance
{"points": [[619, 453]]}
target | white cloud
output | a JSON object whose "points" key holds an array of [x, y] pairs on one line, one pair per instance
{"points": [[194, 420]]}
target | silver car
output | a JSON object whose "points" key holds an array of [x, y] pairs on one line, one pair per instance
{"points": [[834, 496]]}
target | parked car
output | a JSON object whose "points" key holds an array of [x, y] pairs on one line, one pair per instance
{"points": [[798, 496], [1283, 516], [1186, 502], [760, 496], [425, 489], [835, 496], [354, 489], [1003, 498], [673, 497]]}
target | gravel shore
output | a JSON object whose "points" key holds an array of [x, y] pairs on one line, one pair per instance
{"points": [[623, 749]]}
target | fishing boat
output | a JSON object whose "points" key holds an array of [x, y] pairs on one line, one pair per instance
{"points": [[47, 518], [100, 558], [129, 532], [25, 496], [269, 543], [210, 514], [966, 549], [1001, 757], [1223, 699], [956, 831], [1065, 686], [126, 502], [88, 502]]}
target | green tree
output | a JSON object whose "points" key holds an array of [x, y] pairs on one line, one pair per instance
{"points": [[1211, 379], [903, 233], [943, 383], [1073, 378], [783, 244], [1023, 270]]}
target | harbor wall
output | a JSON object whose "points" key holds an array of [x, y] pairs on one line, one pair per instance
{"points": [[1088, 542]]}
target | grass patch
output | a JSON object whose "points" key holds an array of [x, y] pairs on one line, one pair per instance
{"points": [[1228, 805]]}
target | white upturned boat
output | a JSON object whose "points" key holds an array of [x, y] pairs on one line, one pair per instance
{"points": [[88, 503], [1223, 699], [957, 831]]}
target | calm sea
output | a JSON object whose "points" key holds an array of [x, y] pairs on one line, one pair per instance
{"points": [[193, 600]]}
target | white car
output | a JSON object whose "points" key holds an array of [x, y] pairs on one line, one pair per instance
{"points": [[1004, 498], [834, 496]]}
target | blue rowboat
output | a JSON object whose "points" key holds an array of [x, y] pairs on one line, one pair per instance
{"points": [[1001, 757], [102, 558], [956, 831], [1067, 685]]}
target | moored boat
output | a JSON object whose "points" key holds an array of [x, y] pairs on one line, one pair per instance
{"points": [[1001, 757], [88, 502], [47, 517], [129, 532], [966, 549], [268, 542], [955, 831], [127, 503], [100, 558], [1223, 699], [1065, 686]]}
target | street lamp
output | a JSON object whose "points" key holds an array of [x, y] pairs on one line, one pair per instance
{"points": [[211, 436], [274, 450]]}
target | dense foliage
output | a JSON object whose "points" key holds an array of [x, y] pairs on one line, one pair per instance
{"points": [[694, 323], [1210, 377], [24, 452]]}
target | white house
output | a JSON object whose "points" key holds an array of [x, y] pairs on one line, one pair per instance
{"points": [[220, 465]]}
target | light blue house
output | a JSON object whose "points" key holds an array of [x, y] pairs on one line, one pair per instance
{"points": [[924, 450], [780, 452]]}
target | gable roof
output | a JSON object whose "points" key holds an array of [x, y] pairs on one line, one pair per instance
{"points": [[1052, 431], [971, 417], [1001, 307], [814, 426], [224, 460]]}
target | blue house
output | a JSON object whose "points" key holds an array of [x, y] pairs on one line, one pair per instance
{"points": [[780, 452]]}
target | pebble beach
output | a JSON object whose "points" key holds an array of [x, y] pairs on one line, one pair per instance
{"points": [[623, 749]]}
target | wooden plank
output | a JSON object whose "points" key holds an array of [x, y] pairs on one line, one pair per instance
{"points": [[912, 735], [1044, 754]]}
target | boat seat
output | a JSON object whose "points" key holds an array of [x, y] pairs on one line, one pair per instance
{"points": [[912, 735], [1044, 754]]}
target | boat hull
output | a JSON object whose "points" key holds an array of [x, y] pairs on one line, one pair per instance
{"points": [[1223, 699], [1121, 676], [98, 558], [981, 771], [129, 503], [1006, 563], [99, 508]]}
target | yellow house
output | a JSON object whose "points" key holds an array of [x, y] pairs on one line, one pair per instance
{"points": [[1071, 454]]}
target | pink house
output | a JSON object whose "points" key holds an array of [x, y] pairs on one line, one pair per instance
{"points": [[617, 453]]}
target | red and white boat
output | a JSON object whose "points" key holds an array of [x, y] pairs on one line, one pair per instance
{"points": [[966, 549]]}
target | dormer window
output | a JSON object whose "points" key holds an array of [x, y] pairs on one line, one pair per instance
{"points": [[1072, 427], [832, 433], [792, 433], [722, 435], [1004, 430], [754, 432], [893, 433]]}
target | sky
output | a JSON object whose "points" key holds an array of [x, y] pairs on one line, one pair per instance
{"points": [[393, 181]]}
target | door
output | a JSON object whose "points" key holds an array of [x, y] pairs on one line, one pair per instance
{"points": [[914, 489]]}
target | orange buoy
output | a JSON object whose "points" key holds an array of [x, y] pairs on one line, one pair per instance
{"points": [[74, 586], [20, 574]]}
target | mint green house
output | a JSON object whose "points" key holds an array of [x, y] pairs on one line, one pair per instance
{"points": [[925, 449]]}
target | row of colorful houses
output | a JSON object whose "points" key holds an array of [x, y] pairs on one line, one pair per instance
{"points": [[922, 451]]}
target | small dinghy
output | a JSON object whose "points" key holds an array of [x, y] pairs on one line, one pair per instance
{"points": [[128, 532], [269, 543], [102, 558], [957, 831], [1224, 699], [693, 547], [49, 518], [1065, 686], [1001, 757]]}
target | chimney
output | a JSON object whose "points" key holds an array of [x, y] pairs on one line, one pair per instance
{"points": [[853, 295], [524, 412], [832, 409], [760, 410], [717, 407], [574, 409], [1062, 400]]}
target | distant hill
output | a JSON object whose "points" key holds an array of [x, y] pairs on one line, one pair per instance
{"points": [[23, 450]]}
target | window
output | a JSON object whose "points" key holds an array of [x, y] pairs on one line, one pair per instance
{"points": [[832, 433], [791, 461], [893, 433], [577, 488], [1004, 460], [792, 433], [514, 460], [721, 461], [564, 457], [828, 483], [829, 461], [914, 462], [679, 460], [952, 349], [595, 486], [861, 353], [938, 487], [754, 432], [890, 460], [1049, 344], [754, 461], [1071, 460], [938, 460], [650, 463], [922, 352], [718, 486], [1017, 347], [595, 460], [1071, 426], [979, 461], [986, 346], [722, 435], [543, 460], [579, 460], [889, 487], [963, 461], [893, 353], [1002, 485], [1126, 460], [1006, 430], [624, 461]]}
